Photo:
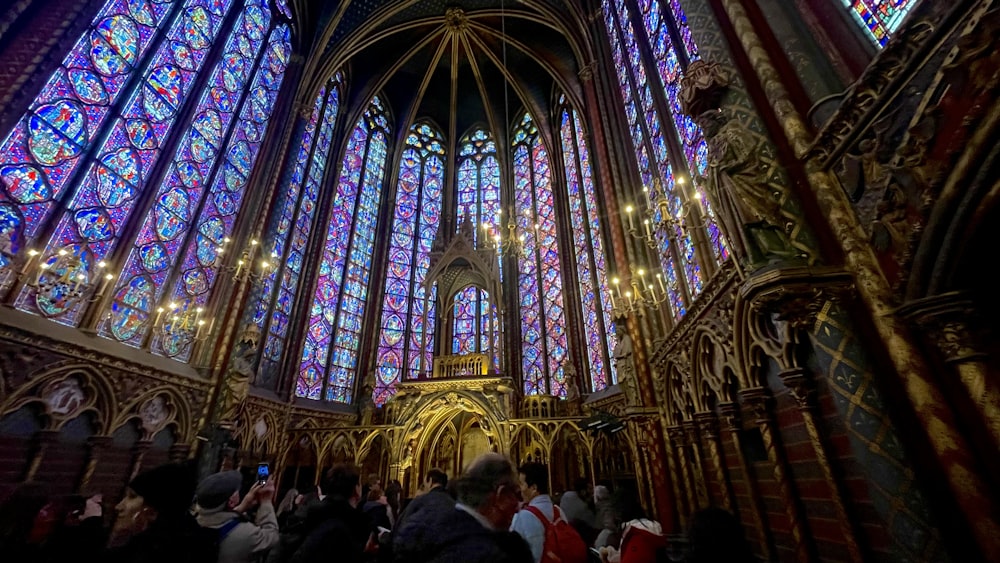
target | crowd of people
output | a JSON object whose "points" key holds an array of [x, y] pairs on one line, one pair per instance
{"points": [[493, 513]]}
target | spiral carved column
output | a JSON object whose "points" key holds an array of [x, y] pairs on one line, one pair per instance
{"points": [[709, 431], [760, 402], [676, 477], [729, 413]]}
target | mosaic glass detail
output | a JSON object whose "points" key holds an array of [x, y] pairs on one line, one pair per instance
{"points": [[591, 266], [879, 18], [41, 154], [406, 335], [107, 192], [290, 228], [329, 356], [648, 167], [478, 189], [543, 315], [179, 196], [689, 135], [198, 269]]}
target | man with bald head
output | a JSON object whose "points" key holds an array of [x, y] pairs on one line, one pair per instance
{"points": [[475, 528]]}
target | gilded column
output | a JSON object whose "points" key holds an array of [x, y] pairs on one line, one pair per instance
{"points": [[95, 446], [138, 453], [679, 438], [709, 431], [673, 466], [804, 392], [43, 442], [759, 400], [729, 413], [916, 377], [951, 324], [700, 478]]}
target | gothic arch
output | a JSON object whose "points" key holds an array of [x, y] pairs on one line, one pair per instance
{"points": [[66, 391]]}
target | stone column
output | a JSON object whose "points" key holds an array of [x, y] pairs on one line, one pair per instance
{"points": [[708, 425], [950, 323], [729, 413], [95, 446], [804, 392], [679, 438], [760, 402]]}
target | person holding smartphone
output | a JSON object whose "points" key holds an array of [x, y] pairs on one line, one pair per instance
{"points": [[220, 509]]}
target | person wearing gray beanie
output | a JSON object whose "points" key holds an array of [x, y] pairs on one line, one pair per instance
{"points": [[219, 508]]}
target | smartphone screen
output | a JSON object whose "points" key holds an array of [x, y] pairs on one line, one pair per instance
{"points": [[262, 472]]}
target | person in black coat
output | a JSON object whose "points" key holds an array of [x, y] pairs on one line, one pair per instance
{"points": [[473, 530], [153, 525], [335, 525]]}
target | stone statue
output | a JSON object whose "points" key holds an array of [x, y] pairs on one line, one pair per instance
{"points": [[366, 405], [238, 376], [573, 399], [626, 369], [747, 204]]}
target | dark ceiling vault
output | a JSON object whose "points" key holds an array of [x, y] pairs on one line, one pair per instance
{"points": [[458, 64]]}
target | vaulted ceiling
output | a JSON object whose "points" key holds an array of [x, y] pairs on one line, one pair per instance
{"points": [[457, 63]]}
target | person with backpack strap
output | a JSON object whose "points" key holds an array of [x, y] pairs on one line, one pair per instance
{"points": [[220, 508], [551, 538]]}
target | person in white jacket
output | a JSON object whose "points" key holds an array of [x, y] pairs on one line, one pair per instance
{"points": [[220, 508]]}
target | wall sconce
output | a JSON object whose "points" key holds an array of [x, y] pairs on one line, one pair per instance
{"points": [[639, 294]]}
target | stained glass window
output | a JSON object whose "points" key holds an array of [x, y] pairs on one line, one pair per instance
{"points": [[879, 18], [671, 184], [289, 229], [109, 185], [592, 272], [329, 355], [42, 154], [405, 342], [478, 182], [92, 144], [161, 237], [543, 315]]}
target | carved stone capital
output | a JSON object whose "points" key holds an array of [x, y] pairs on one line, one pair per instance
{"points": [[759, 402], [703, 86], [801, 386], [707, 424], [677, 435], [951, 322], [729, 416], [796, 294]]}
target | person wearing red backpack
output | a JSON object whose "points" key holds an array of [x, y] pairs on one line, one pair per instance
{"points": [[551, 537]]}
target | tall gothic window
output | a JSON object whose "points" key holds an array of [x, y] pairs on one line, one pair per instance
{"points": [[329, 356], [406, 341], [588, 245], [666, 167], [84, 173], [289, 227], [543, 315], [879, 18], [479, 202]]}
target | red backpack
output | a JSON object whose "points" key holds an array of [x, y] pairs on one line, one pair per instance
{"points": [[563, 543]]}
